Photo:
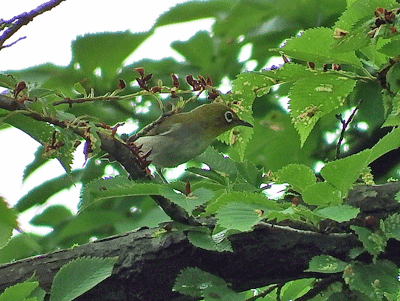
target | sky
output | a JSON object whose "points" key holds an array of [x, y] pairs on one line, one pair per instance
{"points": [[48, 39]]}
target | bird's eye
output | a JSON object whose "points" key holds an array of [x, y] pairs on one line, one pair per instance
{"points": [[228, 116]]}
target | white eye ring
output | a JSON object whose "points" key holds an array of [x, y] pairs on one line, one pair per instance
{"points": [[228, 116]]}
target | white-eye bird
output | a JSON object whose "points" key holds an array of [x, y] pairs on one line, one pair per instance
{"points": [[184, 136]]}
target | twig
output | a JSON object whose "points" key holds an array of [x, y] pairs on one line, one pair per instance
{"points": [[15, 23], [345, 124]]}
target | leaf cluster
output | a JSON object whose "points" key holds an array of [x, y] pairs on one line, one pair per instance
{"points": [[345, 64]]}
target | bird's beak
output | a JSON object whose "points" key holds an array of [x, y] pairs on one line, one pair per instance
{"points": [[244, 123]]}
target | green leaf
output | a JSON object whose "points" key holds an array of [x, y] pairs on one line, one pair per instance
{"points": [[236, 196], [299, 176], [194, 10], [389, 142], [355, 39], [7, 81], [321, 193], [312, 98], [80, 275], [393, 119], [248, 85], [218, 162], [52, 216], [276, 143], [391, 226], [326, 264], [39, 161], [202, 237], [361, 9], [19, 291], [391, 48], [296, 288], [197, 283], [104, 51], [189, 202], [40, 131], [373, 242], [40, 194], [96, 222], [240, 216], [375, 280], [344, 172], [339, 213], [312, 46], [20, 246], [118, 186], [198, 50], [288, 72], [8, 222]]}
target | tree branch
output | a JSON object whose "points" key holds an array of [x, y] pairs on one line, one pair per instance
{"points": [[148, 264], [15, 23], [117, 149]]}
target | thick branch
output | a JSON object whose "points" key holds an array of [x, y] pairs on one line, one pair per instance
{"points": [[148, 265]]}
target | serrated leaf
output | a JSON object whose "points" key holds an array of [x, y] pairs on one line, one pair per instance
{"points": [[19, 291], [393, 119], [40, 194], [359, 10], [189, 202], [391, 48], [299, 213], [203, 238], [80, 275], [40, 131], [249, 84], [311, 46], [236, 196], [240, 216], [288, 72], [249, 173], [20, 246], [322, 193], [225, 166], [326, 264], [297, 175], [312, 98], [339, 213], [374, 280], [391, 226], [389, 142], [118, 186], [197, 283], [355, 39], [344, 172], [373, 242]]}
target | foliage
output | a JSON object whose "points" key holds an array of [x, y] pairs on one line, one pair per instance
{"points": [[317, 130]]}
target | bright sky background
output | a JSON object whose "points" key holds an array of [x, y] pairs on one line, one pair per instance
{"points": [[48, 39]]}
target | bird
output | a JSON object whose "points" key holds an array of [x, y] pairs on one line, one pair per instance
{"points": [[184, 136]]}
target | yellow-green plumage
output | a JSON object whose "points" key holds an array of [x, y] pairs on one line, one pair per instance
{"points": [[184, 136]]}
